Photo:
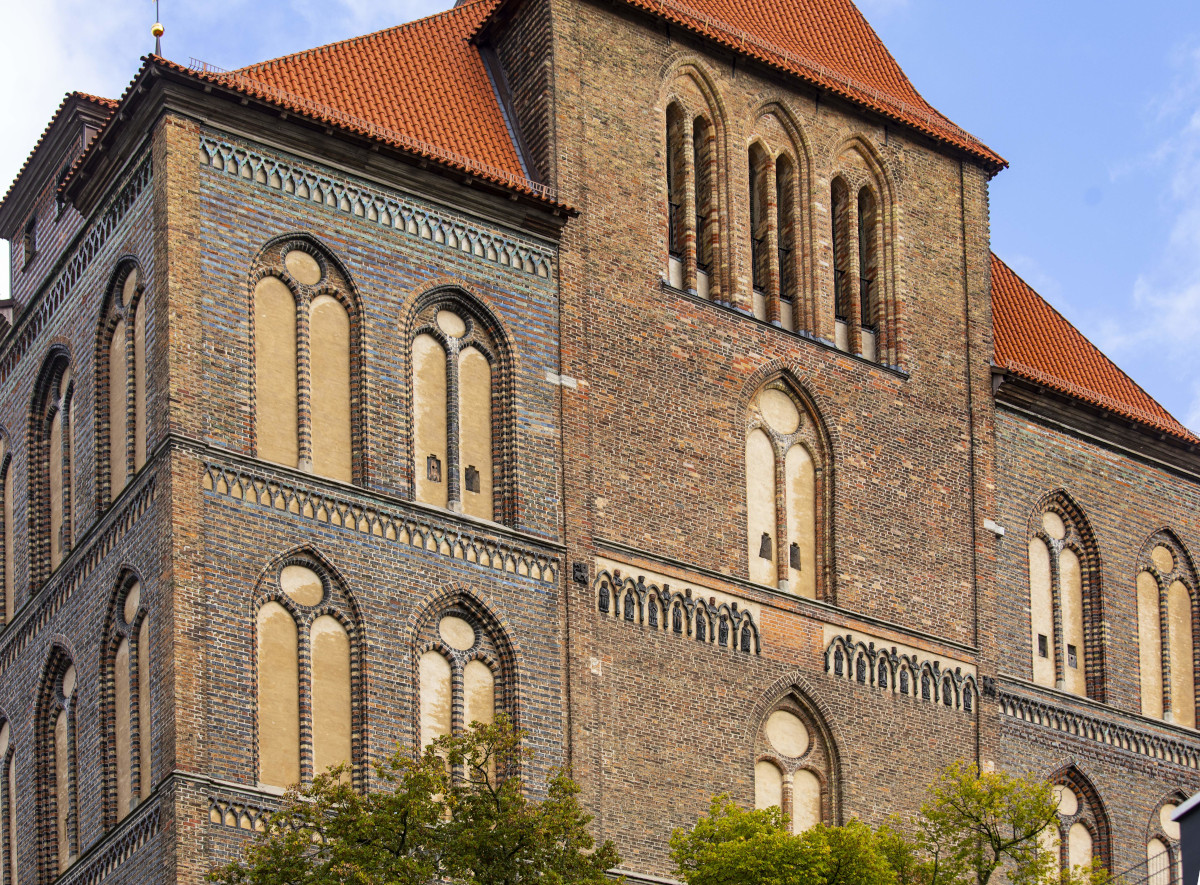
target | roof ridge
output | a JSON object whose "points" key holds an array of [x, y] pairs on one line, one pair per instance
{"points": [[360, 38]]}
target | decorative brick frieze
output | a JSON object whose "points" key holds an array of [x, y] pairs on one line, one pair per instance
{"points": [[239, 814], [681, 612], [902, 672], [397, 523], [117, 847], [403, 214], [73, 264], [1122, 735]]}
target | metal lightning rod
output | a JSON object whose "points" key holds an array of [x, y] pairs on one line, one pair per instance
{"points": [[157, 31]]}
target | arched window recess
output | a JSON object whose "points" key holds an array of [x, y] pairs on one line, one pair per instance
{"points": [[127, 711], [462, 427], [9, 790], [865, 307], [307, 360], [1164, 855], [1168, 619], [795, 763], [1065, 600], [8, 533], [308, 673], [51, 463], [1083, 830], [121, 382], [788, 492], [58, 765]]}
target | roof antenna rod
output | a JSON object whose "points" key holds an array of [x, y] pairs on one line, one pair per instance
{"points": [[157, 31]]}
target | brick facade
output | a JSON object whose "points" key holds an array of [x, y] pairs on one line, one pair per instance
{"points": [[614, 588]]}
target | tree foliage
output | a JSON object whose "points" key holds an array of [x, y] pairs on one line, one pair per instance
{"points": [[457, 812], [970, 827]]}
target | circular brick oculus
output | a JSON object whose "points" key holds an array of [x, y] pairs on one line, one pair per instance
{"points": [[1163, 559], [1170, 827], [1068, 802], [303, 267], [132, 600], [787, 734], [451, 323], [456, 633], [302, 584], [779, 411], [1054, 526]]}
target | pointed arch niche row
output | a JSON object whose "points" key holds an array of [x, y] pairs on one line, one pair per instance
{"points": [[121, 382], [788, 492], [306, 333]]}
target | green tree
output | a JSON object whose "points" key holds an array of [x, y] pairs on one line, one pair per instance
{"points": [[457, 812], [731, 846]]}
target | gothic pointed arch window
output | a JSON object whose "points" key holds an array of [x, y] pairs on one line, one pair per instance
{"points": [[465, 668], [1167, 622], [461, 413], [795, 764], [787, 492], [57, 730], [51, 456], [121, 382], [127, 720], [307, 664], [1082, 831], [8, 805], [1164, 854], [865, 306], [693, 177], [1065, 601], [306, 360], [8, 532]]}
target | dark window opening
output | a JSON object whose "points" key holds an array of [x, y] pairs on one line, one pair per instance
{"points": [[794, 556], [1072, 658], [1043, 646], [472, 479], [764, 546], [29, 241], [433, 468]]}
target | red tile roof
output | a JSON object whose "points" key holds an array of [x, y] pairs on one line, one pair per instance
{"points": [[1035, 341], [105, 104], [422, 82], [826, 42]]}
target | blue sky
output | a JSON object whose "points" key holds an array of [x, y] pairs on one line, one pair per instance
{"points": [[1095, 104]]}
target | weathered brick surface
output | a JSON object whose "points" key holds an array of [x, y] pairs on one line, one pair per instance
{"points": [[629, 403]]}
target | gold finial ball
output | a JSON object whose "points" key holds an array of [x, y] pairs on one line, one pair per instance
{"points": [[157, 30]]}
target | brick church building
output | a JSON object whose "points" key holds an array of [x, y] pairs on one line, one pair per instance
{"points": [[637, 368]]}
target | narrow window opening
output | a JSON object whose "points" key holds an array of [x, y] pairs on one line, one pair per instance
{"points": [[472, 479], [1043, 646], [785, 187], [764, 547], [794, 556], [29, 241], [1072, 658], [433, 469]]}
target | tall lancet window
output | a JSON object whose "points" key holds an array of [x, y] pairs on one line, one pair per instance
{"points": [[459, 420], [305, 350], [786, 493], [795, 763], [1064, 602], [1167, 615], [51, 467], [307, 665], [58, 732], [121, 379], [128, 718]]}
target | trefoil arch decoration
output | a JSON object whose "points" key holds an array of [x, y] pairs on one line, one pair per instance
{"points": [[676, 612], [462, 435], [308, 673], [1065, 599], [121, 388], [306, 341], [1168, 623], [789, 492], [901, 673]]}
